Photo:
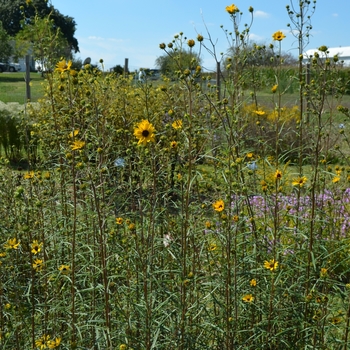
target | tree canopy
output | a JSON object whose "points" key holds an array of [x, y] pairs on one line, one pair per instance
{"points": [[6, 48], [15, 13], [178, 60]]}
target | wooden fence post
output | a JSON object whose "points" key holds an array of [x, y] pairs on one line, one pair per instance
{"points": [[27, 78], [218, 87], [126, 67]]}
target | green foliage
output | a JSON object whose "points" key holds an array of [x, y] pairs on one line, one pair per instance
{"points": [[118, 69], [170, 216], [11, 142], [177, 59], [44, 40], [12, 14], [6, 48], [260, 56]]}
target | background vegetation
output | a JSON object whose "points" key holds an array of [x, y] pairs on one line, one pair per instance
{"points": [[179, 214]]}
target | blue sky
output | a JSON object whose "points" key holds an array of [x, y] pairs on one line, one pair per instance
{"points": [[117, 29]]}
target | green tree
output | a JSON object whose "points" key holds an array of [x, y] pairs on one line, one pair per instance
{"points": [[6, 48], [12, 13], [118, 69], [177, 60], [45, 41]]}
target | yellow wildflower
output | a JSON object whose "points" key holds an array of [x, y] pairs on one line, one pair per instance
{"points": [[37, 264], [271, 265], [65, 269], [248, 298], [74, 133], [119, 221], [144, 132], [278, 36], [274, 88], [323, 272], [219, 205], [29, 175], [300, 181], [253, 282], [63, 66], [336, 179], [173, 144], [12, 244], [177, 124], [76, 145], [232, 9], [259, 113], [212, 247], [54, 343], [278, 175], [36, 247]]}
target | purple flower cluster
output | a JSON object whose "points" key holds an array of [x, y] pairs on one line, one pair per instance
{"points": [[331, 209]]}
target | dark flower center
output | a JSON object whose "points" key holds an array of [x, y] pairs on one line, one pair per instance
{"points": [[145, 133]]}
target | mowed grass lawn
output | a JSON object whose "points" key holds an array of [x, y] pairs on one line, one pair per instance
{"points": [[13, 87]]}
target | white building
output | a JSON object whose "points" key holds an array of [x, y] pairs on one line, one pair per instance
{"points": [[343, 53]]}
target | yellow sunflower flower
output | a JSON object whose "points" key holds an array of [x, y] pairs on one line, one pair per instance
{"points": [[65, 269], [300, 181], [173, 144], [212, 247], [271, 265], [248, 298], [12, 244], [76, 145], [29, 175], [38, 264], [263, 185], [259, 113], [219, 205], [144, 132], [232, 9], [63, 66], [278, 175], [74, 133], [36, 247], [119, 221], [278, 36], [323, 272], [177, 124], [253, 282], [336, 179], [41, 343], [54, 343]]}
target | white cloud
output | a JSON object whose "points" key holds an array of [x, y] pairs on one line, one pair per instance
{"points": [[256, 38], [335, 15], [261, 14], [92, 37]]}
